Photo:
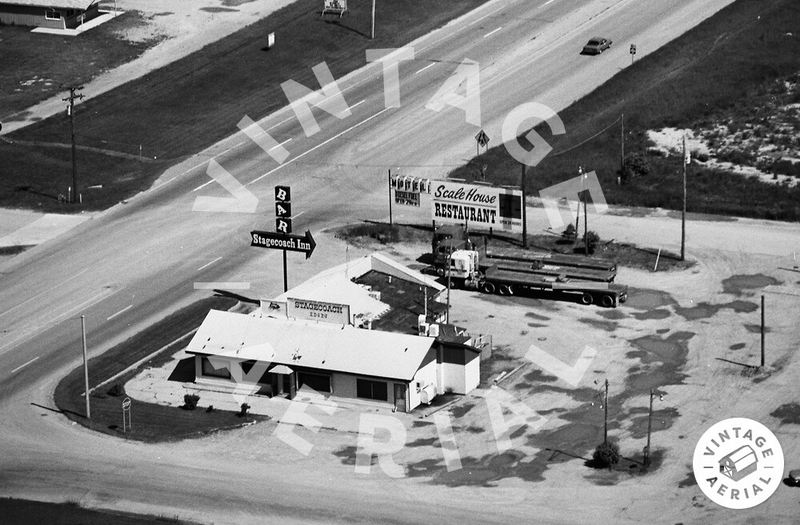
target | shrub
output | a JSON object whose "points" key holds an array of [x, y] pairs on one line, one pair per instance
{"points": [[190, 401], [593, 240], [606, 454], [116, 390], [243, 411], [569, 232], [635, 165]]}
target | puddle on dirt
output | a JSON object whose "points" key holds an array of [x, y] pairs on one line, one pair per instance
{"points": [[662, 330], [662, 420], [537, 316], [535, 376], [611, 314], [537, 325], [737, 346], [738, 284], [459, 410], [755, 328], [424, 442], [706, 310], [789, 414], [688, 481], [658, 313], [646, 299], [609, 326]]}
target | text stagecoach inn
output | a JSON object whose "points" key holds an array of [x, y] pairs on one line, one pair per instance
{"points": [[333, 334]]}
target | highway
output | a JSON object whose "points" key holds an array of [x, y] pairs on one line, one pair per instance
{"points": [[143, 259]]}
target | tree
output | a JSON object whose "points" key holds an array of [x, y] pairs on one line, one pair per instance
{"points": [[635, 165], [593, 240]]}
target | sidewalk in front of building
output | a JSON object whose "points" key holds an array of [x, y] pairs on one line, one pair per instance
{"points": [[308, 408]]}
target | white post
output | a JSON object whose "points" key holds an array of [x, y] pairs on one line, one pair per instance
{"points": [[85, 367]]}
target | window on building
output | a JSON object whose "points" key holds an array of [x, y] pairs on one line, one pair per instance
{"points": [[210, 370], [372, 389], [319, 382], [52, 14]]}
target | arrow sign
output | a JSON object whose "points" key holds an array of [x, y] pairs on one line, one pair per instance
{"points": [[282, 241]]}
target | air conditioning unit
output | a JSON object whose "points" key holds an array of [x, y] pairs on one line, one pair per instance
{"points": [[375, 295], [433, 330]]}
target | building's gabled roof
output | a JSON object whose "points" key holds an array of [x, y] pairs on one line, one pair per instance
{"points": [[55, 4], [323, 346]]}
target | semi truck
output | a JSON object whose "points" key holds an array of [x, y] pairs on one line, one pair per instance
{"points": [[510, 277], [448, 240]]}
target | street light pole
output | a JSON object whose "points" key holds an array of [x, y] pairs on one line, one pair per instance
{"points": [[447, 312], [85, 368], [605, 418], [372, 37], [649, 429]]}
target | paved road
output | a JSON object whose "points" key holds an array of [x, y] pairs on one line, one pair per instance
{"points": [[141, 260]]}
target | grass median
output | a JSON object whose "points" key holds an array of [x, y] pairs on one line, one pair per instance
{"points": [[151, 422], [190, 104], [710, 74]]}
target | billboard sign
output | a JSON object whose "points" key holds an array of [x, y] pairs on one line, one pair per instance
{"points": [[408, 198], [479, 207], [318, 311]]}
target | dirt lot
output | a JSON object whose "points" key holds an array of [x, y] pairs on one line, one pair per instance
{"points": [[690, 334]]}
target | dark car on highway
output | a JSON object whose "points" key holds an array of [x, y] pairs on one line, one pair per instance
{"points": [[596, 45]]}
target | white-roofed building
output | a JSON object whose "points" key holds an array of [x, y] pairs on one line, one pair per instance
{"points": [[358, 331], [52, 14], [280, 355]]}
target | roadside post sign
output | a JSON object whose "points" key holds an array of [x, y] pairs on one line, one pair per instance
{"points": [[481, 141], [633, 51], [283, 225], [286, 242], [283, 194], [126, 414], [337, 7]]}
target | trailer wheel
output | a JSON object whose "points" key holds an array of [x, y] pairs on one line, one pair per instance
{"points": [[607, 301], [506, 289], [587, 298], [440, 271], [488, 288]]}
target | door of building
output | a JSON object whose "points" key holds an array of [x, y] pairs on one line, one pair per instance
{"points": [[400, 397]]}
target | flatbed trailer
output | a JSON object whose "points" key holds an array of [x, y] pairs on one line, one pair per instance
{"points": [[538, 267], [553, 259], [510, 282]]}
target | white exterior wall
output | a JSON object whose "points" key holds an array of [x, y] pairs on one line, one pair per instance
{"points": [[453, 378], [472, 375], [424, 376]]}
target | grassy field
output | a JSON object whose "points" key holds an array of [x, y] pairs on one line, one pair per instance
{"points": [[37, 66], [188, 105], [150, 422], [25, 512], [710, 72], [625, 254]]}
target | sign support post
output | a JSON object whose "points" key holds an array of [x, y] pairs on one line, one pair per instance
{"points": [[285, 278], [390, 197]]}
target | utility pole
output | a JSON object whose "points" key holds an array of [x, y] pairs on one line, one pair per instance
{"points": [[524, 212], [649, 429], [683, 212], [390, 197], [85, 368], [71, 112], [372, 37], [605, 417], [621, 144], [763, 330], [582, 197]]}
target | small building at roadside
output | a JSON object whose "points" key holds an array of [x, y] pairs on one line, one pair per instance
{"points": [[51, 14], [367, 330]]}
